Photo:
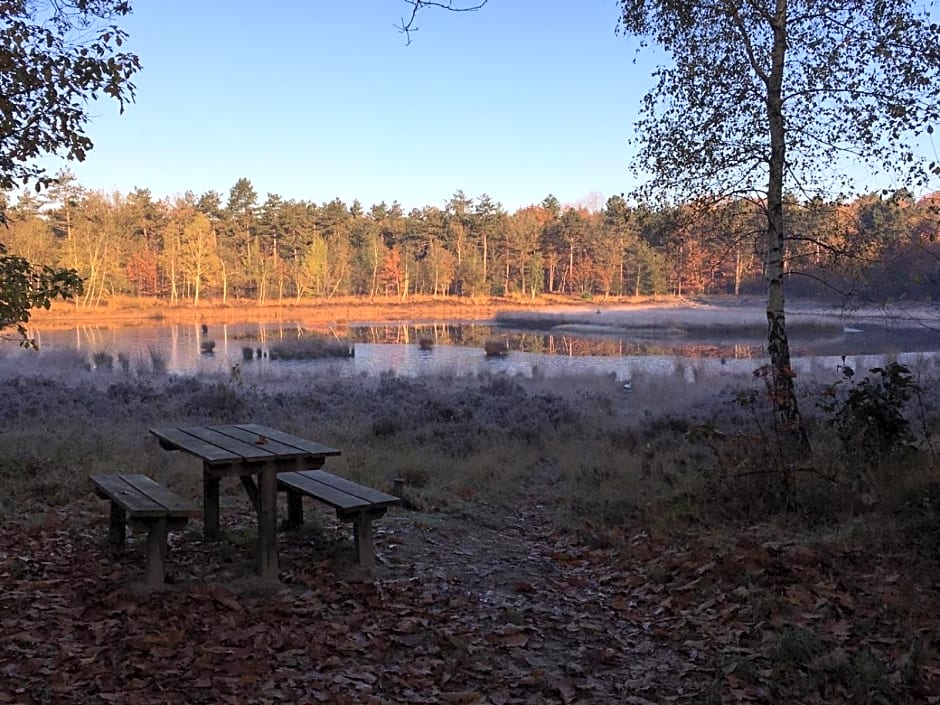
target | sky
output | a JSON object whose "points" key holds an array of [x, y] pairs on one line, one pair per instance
{"points": [[316, 99]]}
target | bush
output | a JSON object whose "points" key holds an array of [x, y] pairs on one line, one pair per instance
{"points": [[869, 417]]}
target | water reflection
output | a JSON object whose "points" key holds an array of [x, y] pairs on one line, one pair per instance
{"points": [[457, 348]]}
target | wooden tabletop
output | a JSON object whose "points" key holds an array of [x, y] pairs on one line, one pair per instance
{"points": [[239, 443]]}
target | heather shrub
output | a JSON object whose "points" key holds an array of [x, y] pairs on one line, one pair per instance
{"points": [[667, 453]]}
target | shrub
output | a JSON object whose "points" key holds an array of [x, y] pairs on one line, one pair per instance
{"points": [[869, 418]]}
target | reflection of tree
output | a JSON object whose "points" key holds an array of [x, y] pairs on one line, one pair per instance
{"points": [[474, 336]]}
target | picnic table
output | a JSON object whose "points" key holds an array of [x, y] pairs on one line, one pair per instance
{"points": [[246, 451]]}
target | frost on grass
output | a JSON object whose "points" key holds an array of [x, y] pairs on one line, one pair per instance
{"points": [[612, 452]]}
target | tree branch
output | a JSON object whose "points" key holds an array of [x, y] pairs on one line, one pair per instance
{"points": [[408, 25]]}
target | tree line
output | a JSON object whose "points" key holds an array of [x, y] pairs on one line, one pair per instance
{"points": [[236, 247]]}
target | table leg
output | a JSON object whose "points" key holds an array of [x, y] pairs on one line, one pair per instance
{"points": [[117, 533], [295, 509], [210, 505], [267, 525], [251, 489]]}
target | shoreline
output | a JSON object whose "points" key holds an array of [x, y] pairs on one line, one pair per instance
{"points": [[550, 312], [136, 313]]}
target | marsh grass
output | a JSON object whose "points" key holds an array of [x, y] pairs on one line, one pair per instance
{"points": [[66, 360], [311, 348], [720, 322], [103, 360], [158, 362], [668, 453]]}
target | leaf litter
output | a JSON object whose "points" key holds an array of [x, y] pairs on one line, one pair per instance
{"points": [[474, 607]]}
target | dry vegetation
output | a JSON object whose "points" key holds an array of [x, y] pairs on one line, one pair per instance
{"points": [[337, 310], [766, 583], [311, 347]]}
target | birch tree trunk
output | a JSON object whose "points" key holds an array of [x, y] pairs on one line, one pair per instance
{"points": [[778, 345]]}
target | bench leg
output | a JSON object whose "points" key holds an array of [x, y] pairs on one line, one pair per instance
{"points": [[156, 552], [295, 509], [117, 532], [365, 549], [210, 506]]}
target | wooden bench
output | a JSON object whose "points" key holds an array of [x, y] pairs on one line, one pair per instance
{"points": [[141, 502], [353, 502]]}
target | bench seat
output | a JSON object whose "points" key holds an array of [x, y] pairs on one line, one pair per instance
{"points": [[139, 501], [353, 502]]}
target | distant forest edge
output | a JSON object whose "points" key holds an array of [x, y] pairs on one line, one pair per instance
{"points": [[192, 248]]}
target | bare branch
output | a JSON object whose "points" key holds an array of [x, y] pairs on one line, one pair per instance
{"points": [[408, 25]]}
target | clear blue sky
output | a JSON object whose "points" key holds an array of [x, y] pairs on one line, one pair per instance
{"points": [[314, 100]]}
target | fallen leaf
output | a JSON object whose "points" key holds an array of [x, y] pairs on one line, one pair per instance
{"points": [[515, 639]]}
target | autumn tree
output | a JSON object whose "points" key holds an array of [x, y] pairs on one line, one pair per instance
{"points": [[210, 205], [333, 225], [141, 265], [762, 93], [487, 220], [551, 242], [457, 224], [523, 258], [573, 227], [242, 212], [29, 233], [55, 57]]}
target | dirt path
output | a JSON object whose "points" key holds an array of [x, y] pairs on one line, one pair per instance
{"points": [[540, 597]]}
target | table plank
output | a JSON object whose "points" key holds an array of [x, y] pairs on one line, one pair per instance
{"points": [[177, 438], [282, 450], [308, 447], [244, 451]]}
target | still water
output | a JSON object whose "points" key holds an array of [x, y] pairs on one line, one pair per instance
{"points": [[458, 349]]}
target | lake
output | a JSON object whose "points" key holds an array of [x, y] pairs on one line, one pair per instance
{"points": [[624, 343]]}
